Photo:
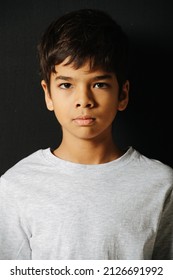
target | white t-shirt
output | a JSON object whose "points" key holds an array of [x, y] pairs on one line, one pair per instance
{"points": [[56, 209]]}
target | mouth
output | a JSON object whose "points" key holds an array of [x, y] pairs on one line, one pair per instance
{"points": [[84, 120]]}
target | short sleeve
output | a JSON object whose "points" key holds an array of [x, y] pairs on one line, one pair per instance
{"points": [[14, 242], [163, 249]]}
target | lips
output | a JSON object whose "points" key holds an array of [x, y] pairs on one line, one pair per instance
{"points": [[84, 120]]}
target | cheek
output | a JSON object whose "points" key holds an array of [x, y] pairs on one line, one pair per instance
{"points": [[111, 108], [61, 111], [110, 103]]}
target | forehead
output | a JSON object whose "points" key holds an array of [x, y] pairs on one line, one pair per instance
{"points": [[85, 69]]}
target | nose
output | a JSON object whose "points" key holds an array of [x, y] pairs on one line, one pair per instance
{"points": [[84, 99]]}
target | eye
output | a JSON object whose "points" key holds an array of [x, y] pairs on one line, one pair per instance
{"points": [[101, 85], [65, 85]]}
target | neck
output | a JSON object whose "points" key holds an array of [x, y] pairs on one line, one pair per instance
{"points": [[88, 151]]}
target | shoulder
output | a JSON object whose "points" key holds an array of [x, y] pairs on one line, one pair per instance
{"points": [[25, 169], [153, 168], [29, 161]]}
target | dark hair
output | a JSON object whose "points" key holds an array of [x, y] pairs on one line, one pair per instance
{"points": [[82, 35]]}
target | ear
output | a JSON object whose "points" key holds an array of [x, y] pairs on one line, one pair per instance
{"points": [[47, 96], [124, 96]]}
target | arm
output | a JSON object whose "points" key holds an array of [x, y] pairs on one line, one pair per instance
{"points": [[14, 241], [163, 249]]}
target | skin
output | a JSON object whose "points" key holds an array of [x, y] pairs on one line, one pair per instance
{"points": [[85, 103]]}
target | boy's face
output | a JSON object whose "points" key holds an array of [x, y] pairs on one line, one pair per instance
{"points": [[85, 102]]}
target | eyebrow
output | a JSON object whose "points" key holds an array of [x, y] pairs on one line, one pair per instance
{"points": [[63, 78], [102, 77], [96, 78]]}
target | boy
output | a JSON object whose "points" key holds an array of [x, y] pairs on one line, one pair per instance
{"points": [[87, 199]]}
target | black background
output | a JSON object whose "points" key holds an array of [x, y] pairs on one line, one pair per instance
{"points": [[25, 123]]}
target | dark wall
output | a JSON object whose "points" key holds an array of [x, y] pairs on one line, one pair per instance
{"points": [[25, 123]]}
